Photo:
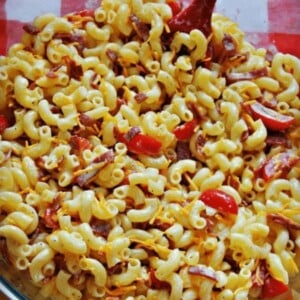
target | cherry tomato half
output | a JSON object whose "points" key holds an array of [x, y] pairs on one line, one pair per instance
{"points": [[277, 166], [176, 6], [140, 143], [219, 200], [272, 119]]}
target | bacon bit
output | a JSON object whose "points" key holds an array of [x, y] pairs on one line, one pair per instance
{"points": [[233, 181], [283, 220], [210, 225], [50, 216], [260, 275], [197, 111], [55, 109], [166, 40], [200, 270], [271, 51], [140, 97], [116, 269], [75, 71], [79, 143], [132, 132], [183, 150], [95, 81], [84, 178], [68, 38], [155, 283], [86, 120], [59, 261], [107, 157], [120, 102], [161, 225], [229, 45], [52, 74], [200, 142], [278, 139], [141, 28], [235, 76], [31, 29], [245, 135], [86, 132], [100, 227], [226, 51], [112, 55], [142, 286], [40, 162], [86, 175], [120, 291]]}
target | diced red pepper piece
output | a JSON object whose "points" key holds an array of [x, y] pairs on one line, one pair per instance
{"points": [[185, 131], [195, 16], [271, 118], [220, 201]]}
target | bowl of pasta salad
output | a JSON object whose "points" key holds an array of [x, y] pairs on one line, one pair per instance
{"points": [[149, 150]]}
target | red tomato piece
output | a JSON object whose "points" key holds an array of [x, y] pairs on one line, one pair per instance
{"points": [[185, 131], [272, 119], [220, 201], [176, 6], [144, 144], [273, 287], [138, 142], [3, 123], [277, 166]]}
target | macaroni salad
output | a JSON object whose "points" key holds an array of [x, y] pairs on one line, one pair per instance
{"points": [[148, 151]]}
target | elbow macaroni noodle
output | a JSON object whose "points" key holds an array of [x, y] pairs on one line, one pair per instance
{"points": [[87, 217]]}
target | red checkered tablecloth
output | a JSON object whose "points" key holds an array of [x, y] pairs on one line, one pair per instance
{"points": [[266, 22]]}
